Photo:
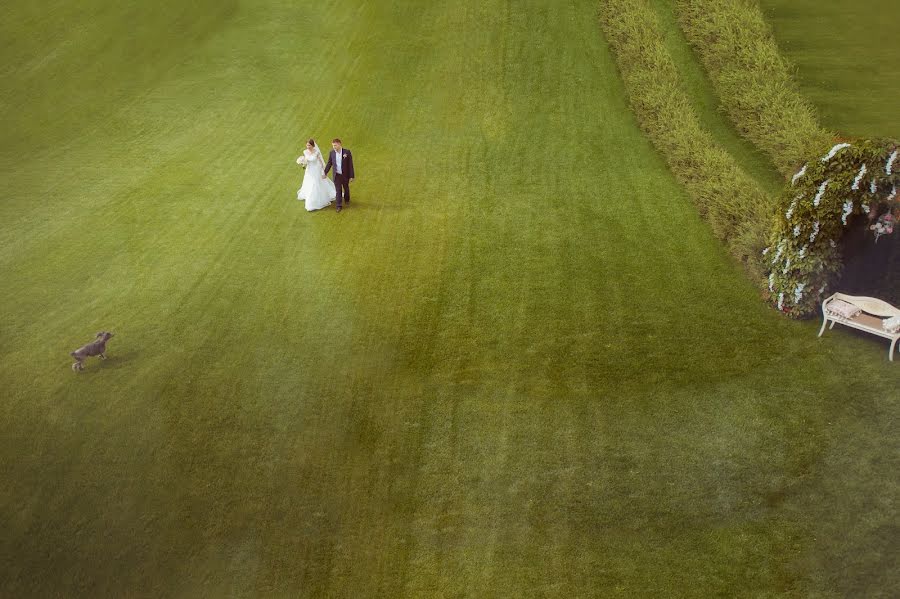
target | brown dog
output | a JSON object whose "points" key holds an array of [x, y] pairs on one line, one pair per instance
{"points": [[94, 348]]}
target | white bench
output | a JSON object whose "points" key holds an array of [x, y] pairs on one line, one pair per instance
{"points": [[874, 311]]}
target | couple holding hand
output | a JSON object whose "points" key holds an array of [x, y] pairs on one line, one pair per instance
{"points": [[317, 191]]}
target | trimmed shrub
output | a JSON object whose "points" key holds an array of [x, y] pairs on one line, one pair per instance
{"points": [[752, 79], [738, 211]]}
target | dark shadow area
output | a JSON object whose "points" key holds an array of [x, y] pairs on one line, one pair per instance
{"points": [[870, 268]]}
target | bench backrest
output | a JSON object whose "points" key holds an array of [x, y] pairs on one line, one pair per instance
{"points": [[870, 305]]}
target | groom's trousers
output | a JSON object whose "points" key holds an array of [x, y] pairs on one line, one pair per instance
{"points": [[342, 189]]}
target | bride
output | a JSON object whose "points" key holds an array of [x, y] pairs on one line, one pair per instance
{"points": [[316, 191]]}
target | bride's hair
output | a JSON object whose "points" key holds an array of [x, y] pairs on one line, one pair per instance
{"points": [[312, 142]]}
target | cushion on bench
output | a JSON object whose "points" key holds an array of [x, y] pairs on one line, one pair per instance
{"points": [[892, 324], [843, 309]]}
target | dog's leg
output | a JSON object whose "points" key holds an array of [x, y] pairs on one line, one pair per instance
{"points": [[76, 366], [102, 356]]}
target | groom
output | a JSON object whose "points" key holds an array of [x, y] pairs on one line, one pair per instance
{"points": [[342, 161]]}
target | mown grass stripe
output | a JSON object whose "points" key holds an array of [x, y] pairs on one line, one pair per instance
{"points": [[842, 52]]}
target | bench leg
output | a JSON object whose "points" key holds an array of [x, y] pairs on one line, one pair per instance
{"points": [[891, 351], [832, 325], [824, 322]]}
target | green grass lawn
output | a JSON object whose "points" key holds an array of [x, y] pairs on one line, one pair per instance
{"points": [[518, 365], [846, 57]]}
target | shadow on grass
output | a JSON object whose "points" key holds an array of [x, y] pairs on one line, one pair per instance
{"points": [[386, 205], [359, 206], [882, 344], [112, 362]]}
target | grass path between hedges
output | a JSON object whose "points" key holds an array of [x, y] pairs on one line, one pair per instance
{"points": [[706, 104], [519, 364]]}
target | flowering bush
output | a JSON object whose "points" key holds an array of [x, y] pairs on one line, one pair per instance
{"points": [[802, 257]]}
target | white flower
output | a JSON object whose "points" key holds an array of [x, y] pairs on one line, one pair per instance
{"points": [[796, 230], [848, 208], [803, 252], [872, 186], [821, 289], [815, 232], [766, 251], [780, 300], [798, 174], [865, 208], [893, 194], [862, 172], [821, 192], [790, 211], [890, 162], [779, 252], [834, 151], [832, 243], [787, 265], [798, 292], [772, 282]]}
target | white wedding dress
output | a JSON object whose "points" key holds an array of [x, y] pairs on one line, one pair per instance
{"points": [[315, 191]]}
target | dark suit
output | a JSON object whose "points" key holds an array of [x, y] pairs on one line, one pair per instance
{"points": [[342, 179]]}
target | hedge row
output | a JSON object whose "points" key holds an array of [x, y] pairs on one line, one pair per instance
{"points": [[738, 211], [754, 82]]}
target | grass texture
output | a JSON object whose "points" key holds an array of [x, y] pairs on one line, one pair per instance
{"points": [[846, 58], [518, 365], [752, 79]]}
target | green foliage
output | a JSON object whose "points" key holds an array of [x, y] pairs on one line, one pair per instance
{"points": [[730, 200], [803, 255], [752, 79]]}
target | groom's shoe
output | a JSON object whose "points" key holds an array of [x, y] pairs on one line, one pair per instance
{"points": [[338, 208]]}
